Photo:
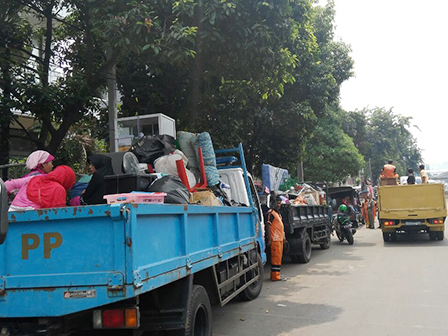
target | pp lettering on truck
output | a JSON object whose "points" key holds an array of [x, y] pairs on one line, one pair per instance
{"points": [[31, 241]]}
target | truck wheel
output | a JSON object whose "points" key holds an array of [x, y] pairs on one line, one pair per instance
{"points": [[433, 235], [386, 237], [393, 236], [305, 253], [252, 292], [349, 235], [325, 245], [440, 235], [199, 313]]}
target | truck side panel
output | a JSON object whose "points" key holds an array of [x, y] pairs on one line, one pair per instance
{"points": [[205, 236]]}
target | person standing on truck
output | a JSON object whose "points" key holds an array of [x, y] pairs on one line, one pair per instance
{"points": [[423, 174], [389, 171], [411, 176], [275, 234]]}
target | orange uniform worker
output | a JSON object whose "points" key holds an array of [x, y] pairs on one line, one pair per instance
{"points": [[389, 171], [275, 234]]}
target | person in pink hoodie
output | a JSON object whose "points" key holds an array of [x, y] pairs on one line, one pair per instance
{"points": [[21, 201], [39, 163]]}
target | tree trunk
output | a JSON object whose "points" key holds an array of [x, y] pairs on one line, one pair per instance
{"points": [[196, 79], [5, 118]]}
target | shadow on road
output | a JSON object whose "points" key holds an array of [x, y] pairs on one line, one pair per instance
{"points": [[418, 239], [283, 316]]}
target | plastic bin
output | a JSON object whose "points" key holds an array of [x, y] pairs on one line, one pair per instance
{"points": [[155, 197], [126, 183]]}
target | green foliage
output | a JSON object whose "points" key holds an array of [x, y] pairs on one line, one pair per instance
{"points": [[380, 135], [263, 73], [76, 44], [331, 155]]}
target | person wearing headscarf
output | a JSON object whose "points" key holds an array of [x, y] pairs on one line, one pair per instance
{"points": [[100, 166], [39, 162]]}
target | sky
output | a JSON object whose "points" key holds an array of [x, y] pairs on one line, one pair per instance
{"points": [[400, 52]]}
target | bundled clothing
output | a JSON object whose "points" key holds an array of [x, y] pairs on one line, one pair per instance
{"points": [[96, 188], [44, 191], [50, 191]]}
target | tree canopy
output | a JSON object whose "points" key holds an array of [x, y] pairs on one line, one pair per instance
{"points": [[381, 135], [264, 73]]}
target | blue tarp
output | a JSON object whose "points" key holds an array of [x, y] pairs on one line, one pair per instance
{"points": [[273, 177]]}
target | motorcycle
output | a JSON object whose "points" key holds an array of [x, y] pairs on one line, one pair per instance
{"points": [[344, 228]]}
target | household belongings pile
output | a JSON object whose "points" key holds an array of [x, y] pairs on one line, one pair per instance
{"points": [[186, 170], [305, 194]]}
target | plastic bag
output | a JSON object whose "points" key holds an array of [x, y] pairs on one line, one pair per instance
{"points": [[176, 191], [221, 194], [167, 165], [150, 148]]}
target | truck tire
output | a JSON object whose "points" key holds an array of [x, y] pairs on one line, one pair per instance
{"points": [[305, 253], [386, 237], [199, 313], [349, 235], [325, 245], [252, 292], [433, 235], [440, 235]]}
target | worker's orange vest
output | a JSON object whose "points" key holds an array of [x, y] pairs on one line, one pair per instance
{"points": [[389, 171]]}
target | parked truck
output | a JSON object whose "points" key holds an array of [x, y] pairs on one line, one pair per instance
{"points": [[418, 208], [306, 225], [129, 267]]}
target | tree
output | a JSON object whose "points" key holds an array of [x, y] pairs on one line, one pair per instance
{"points": [[382, 135], [262, 74], [14, 34], [62, 80], [331, 155]]}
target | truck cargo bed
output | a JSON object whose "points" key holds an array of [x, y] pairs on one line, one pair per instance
{"points": [[73, 259]]}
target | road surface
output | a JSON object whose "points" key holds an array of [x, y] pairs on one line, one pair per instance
{"points": [[370, 288]]}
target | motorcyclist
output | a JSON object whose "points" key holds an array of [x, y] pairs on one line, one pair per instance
{"points": [[343, 216]]}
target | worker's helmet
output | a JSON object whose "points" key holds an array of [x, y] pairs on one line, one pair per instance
{"points": [[342, 208]]}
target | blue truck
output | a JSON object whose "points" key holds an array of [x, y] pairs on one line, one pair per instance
{"points": [[131, 268]]}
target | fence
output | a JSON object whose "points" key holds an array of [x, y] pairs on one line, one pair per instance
{"points": [[12, 171]]}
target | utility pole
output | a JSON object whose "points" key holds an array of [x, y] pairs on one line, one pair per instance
{"points": [[300, 174], [370, 170], [112, 105]]}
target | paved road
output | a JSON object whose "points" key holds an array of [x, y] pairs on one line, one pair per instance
{"points": [[370, 288]]}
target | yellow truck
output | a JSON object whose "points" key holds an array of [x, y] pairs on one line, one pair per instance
{"points": [[418, 208]]}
